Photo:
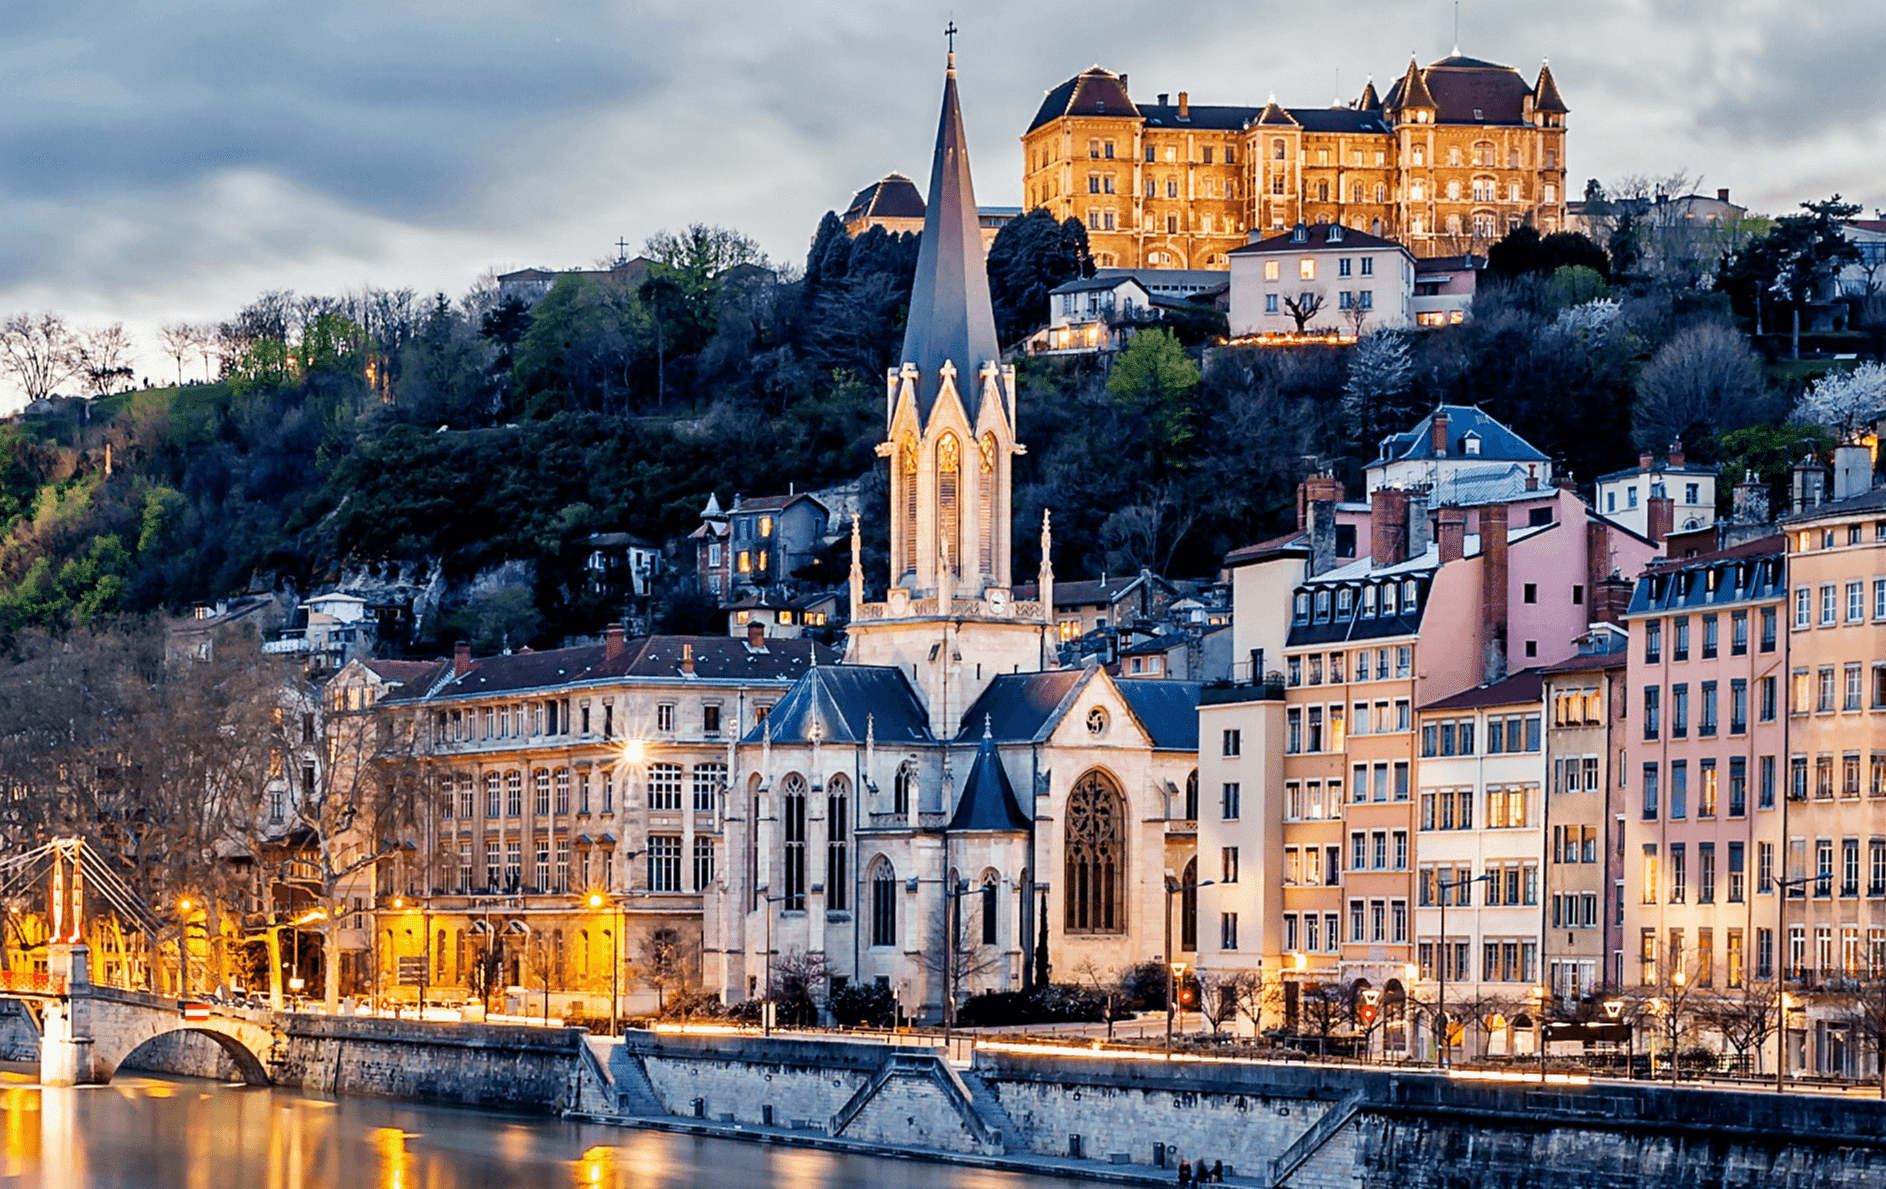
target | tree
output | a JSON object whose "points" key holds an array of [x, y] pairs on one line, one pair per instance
{"points": [[1793, 263], [180, 341], [1379, 373], [1702, 382], [1303, 308], [1220, 995], [667, 963], [1031, 255], [1152, 383], [1745, 1018], [800, 980], [1845, 403], [1863, 999], [38, 352], [104, 362]]}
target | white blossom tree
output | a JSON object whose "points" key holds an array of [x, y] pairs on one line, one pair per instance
{"points": [[1846, 403]]}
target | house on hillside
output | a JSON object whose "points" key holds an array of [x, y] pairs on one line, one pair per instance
{"points": [[1340, 281]]}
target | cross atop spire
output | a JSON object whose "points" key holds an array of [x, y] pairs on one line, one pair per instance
{"points": [[950, 32]]}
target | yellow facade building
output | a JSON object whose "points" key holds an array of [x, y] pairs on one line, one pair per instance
{"points": [[1449, 160]]}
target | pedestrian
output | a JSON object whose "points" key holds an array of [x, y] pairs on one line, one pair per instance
{"points": [[1218, 1172], [1185, 1172]]}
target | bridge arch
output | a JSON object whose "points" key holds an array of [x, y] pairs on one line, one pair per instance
{"points": [[247, 1064]]}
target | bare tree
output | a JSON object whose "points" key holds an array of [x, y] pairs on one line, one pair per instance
{"points": [[38, 352], [1221, 994], [1303, 308], [1744, 1018], [667, 963], [105, 359], [180, 341], [1703, 380]]}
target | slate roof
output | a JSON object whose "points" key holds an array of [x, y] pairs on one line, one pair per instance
{"points": [[847, 702], [1092, 92], [1340, 119], [893, 196], [1094, 284], [988, 801], [1208, 116], [771, 503], [1525, 686], [1022, 707], [417, 676], [1292, 542], [951, 317], [1317, 237], [1497, 442], [715, 658], [1663, 468], [1752, 571], [1545, 93], [1167, 709]]}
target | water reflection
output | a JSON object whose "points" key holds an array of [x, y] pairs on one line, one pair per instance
{"points": [[145, 1132]]}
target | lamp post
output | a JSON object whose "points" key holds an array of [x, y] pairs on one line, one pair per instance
{"points": [[1782, 885], [1538, 994], [767, 1006], [1175, 969], [1678, 980], [1614, 1010], [1440, 1006], [596, 901], [953, 921], [1410, 972], [183, 947]]}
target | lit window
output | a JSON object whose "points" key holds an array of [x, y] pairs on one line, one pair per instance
{"points": [[1306, 268], [766, 526], [1272, 270]]}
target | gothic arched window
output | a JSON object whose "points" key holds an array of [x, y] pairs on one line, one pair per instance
{"points": [[903, 786], [1095, 853], [837, 826], [883, 903], [949, 466], [986, 480], [792, 822], [991, 917], [1188, 907], [907, 465], [1191, 797]]}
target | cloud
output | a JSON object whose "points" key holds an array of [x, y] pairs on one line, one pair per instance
{"points": [[172, 160]]}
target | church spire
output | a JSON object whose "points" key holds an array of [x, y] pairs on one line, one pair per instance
{"points": [[950, 315]]}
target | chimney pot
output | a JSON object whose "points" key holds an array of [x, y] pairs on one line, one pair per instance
{"points": [[1437, 434], [1163, 96], [461, 658], [1185, 106], [1532, 476], [1644, 460], [1676, 453], [612, 641], [1722, 195], [687, 659], [756, 634]]}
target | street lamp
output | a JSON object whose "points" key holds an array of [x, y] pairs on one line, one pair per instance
{"points": [[767, 1007], [953, 921], [1173, 888], [1678, 979], [1440, 1007]]}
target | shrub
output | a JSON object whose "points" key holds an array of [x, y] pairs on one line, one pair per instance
{"points": [[867, 1005]]}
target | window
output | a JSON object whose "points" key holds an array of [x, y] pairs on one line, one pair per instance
{"points": [[665, 717], [664, 863], [1233, 741], [710, 719], [1229, 860], [703, 862], [883, 904], [1229, 801], [1768, 629], [1652, 707], [1650, 792], [1228, 931], [837, 840], [664, 787], [792, 812], [1094, 879], [708, 779]]}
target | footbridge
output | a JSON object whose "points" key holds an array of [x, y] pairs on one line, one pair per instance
{"points": [[87, 1030]]}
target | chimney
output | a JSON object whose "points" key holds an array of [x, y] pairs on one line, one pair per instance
{"points": [[1611, 600], [1163, 96], [1318, 488], [1322, 537], [756, 634], [1453, 534], [1388, 526], [1810, 484], [1532, 476], [1123, 85], [1751, 501], [1676, 453], [1853, 471], [1185, 106], [1493, 591], [1644, 460], [612, 642], [687, 659], [461, 658], [1437, 433], [1722, 195], [1659, 517], [1420, 528]]}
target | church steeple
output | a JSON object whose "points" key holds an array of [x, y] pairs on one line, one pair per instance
{"points": [[951, 319]]}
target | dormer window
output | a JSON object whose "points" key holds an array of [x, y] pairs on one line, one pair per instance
{"points": [[1303, 607], [1478, 114], [1388, 600], [1335, 233], [1368, 602], [1322, 606], [1408, 593], [1299, 234], [1470, 444], [1345, 602]]}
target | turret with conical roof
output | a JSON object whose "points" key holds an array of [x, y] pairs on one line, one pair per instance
{"points": [[1545, 94]]}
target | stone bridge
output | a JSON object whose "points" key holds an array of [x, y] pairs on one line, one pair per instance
{"points": [[87, 1031]]}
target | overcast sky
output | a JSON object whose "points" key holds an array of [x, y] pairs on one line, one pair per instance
{"points": [[168, 161]]}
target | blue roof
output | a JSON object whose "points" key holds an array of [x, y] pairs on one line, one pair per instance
{"points": [[845, 701], [1167, 709], [1021, 707], [1497, 442], [988, 801]]}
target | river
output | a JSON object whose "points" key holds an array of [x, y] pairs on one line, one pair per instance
{"points": [[148, 1131]]}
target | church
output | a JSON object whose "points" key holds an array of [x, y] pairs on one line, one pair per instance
{"points": [[947, 812]]}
